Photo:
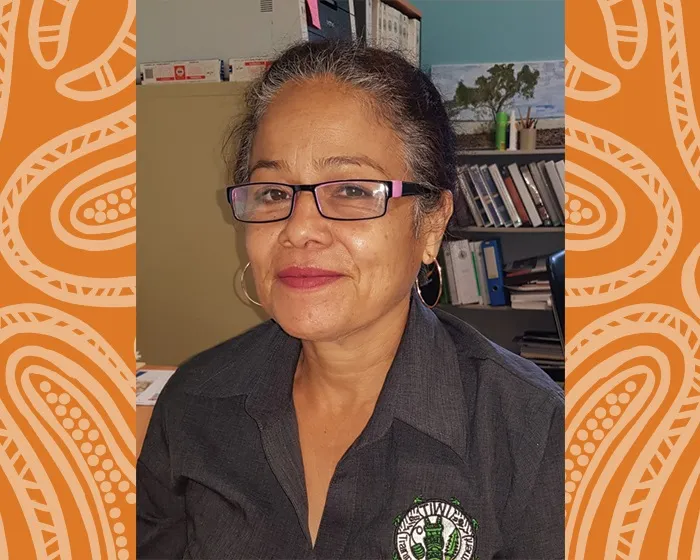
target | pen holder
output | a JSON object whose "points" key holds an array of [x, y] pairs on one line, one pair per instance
{"points": [[528, 139]]}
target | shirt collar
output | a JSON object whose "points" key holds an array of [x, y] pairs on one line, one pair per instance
{"points": [[423, 387]]}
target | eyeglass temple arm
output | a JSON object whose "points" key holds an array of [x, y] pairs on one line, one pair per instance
{"points": [[401, 188]]}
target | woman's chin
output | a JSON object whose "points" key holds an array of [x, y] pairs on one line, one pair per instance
{"points": [[311, 321]]}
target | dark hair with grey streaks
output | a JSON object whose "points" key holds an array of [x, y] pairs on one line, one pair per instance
{"points": [[399, 93]]}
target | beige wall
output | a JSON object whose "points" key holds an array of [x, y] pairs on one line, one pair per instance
{"points": [[189, 252]]}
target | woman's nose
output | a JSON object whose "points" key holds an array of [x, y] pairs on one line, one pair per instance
{"points": [[306, 224]]}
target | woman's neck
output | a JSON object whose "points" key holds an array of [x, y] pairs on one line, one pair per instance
{"points": [[341, 374]]}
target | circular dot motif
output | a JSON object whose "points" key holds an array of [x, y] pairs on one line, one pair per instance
{"points": [[44, 386], [101, 205], [75, 412], [60, 410], [109, 498], [126, 194], [112, 198], [64, 398], [100, 449], [100, 217], [52, 398]]}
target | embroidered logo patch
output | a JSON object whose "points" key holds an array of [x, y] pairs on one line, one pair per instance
{"points": [[435, 530]]}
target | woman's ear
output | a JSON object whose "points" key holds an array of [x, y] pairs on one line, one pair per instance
{"points": [[435, 227]]}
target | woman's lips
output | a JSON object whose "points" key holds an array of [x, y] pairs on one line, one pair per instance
{"points": [[307, 278]]}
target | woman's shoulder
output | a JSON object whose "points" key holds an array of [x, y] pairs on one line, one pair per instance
{"points": [[497, 370], [224, 369]]}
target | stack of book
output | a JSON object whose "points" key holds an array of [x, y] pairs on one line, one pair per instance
{"points": [[544, 349], [530, 195], [527, 282]]}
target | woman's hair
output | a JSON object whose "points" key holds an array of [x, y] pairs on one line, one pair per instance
{"points": [[398, 92]]}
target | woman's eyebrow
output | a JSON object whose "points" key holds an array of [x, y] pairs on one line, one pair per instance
{"points": [[274, 164], [331, 161], [359, 160]]}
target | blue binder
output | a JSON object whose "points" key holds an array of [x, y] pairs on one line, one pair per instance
{"points": [[494, 272]]}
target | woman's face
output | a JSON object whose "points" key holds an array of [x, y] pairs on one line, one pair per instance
{"points": [[315, 132]]}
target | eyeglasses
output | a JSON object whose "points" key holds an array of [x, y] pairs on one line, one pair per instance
{"points": [[348, 200]]}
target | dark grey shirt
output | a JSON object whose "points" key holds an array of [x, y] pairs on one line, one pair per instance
{"points": [[463, 457]]}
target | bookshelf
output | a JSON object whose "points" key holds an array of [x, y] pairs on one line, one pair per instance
{"points": [[502, 324]]}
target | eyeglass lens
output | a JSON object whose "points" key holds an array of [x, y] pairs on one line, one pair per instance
{"points": [[352, 200]]}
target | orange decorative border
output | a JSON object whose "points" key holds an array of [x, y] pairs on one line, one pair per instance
{"points": [[67, 271], [67, 318], [633, 309]]}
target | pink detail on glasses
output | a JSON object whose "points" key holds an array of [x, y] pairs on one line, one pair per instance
{"points": [[396, 188]]}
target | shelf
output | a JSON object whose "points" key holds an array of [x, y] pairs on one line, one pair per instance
{"points": [[559, 229], [543, 151]]}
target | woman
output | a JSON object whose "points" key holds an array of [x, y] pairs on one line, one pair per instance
{"points": [[358, 423]]}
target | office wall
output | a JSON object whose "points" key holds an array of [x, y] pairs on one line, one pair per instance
{"points": [[463, 31], [454, 31]]}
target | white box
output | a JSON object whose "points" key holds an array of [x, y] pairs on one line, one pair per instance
{"points": [[246, 69], [182, 71]]}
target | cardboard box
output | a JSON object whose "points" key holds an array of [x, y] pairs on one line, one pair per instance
{"points": [[182, 71], [246, 69]]}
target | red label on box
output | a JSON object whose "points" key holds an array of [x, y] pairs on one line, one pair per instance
{"points": [[180, 73]]}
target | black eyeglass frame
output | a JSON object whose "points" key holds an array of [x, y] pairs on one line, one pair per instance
{"points": [[395, 189]]}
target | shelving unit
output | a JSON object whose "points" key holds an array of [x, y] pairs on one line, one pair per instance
{"points": [[502, 324]]}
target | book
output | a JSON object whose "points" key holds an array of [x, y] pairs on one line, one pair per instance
{"points": [[556, 182], [478, 252], [561, 170], [465, 273], [536, 197], [474, 205], [505, 195], [480, 186], [503, 217], [515, 196], [546, 194], [525, 196], [450, 273]]}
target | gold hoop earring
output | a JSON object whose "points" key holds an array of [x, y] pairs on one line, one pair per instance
{"points": [[437, 300], [245, 290]]}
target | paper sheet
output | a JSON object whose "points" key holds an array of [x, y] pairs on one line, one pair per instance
{"points": [[149, 384], [313, 10]]}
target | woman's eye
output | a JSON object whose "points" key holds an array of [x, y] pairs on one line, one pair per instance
{"points": [[353, 191], [273, 195]]}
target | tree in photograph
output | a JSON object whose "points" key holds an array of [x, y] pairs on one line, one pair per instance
{"points": [[495, 91]]}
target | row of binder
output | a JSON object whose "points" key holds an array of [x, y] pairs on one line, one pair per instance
{"points": [[474, 272]]}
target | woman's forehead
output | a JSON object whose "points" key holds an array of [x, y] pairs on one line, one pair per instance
{"points": [[324, 127]]}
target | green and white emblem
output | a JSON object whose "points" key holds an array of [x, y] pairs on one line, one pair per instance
{"points": [[435, 530]]}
